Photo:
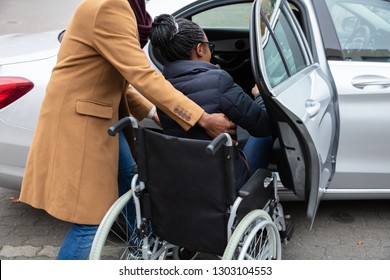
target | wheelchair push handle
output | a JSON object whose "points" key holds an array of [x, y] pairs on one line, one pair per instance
{"points": [[218, 141], [121, 124]]}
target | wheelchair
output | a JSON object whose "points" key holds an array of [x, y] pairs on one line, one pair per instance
{"points": [[183, 201]]}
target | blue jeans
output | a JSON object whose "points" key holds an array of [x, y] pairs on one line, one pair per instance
{"points": [[78, 241], [125, 175], [258, 152], [126, 165]]}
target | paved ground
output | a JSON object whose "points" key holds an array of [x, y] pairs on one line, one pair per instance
{"points": [[27, 233], [35, 16], [344, 230]]}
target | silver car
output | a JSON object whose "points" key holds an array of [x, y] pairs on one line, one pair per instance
{"points": [[323, 67]]}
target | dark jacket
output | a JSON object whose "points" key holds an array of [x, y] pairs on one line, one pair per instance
{"points": [[216, 92]]}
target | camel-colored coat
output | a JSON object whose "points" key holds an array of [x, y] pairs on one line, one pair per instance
{"points": [[72, 166]]}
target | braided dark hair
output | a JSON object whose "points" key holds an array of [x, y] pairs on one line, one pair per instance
{"points": [[175, 38]]}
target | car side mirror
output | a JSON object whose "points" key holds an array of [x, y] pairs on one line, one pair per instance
{"points": [[61, 35]]}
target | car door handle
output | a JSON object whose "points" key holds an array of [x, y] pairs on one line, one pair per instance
{"points": [[312, 107], [364, 81]]}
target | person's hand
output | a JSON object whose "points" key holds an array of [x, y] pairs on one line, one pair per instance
{"points": [[255, 91], [156, 119], [217, 123]]}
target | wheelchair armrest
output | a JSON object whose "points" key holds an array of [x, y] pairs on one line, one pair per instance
{"points": [[217, 142], [254, 182], [121, 124]]}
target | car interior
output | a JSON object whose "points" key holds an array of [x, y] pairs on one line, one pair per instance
{"points": [[231, 53]]}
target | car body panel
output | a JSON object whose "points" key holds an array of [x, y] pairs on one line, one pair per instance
{"points": [[21, 48], [363, 160], [32, 56], [365, 129]]}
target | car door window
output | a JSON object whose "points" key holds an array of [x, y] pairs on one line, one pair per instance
{"points": [[283, 52], [363, 29], [228, 16]]}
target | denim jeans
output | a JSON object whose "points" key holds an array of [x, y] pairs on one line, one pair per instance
{"points": [[126, 165], [78, 241], [125, 175], [258, 152]]}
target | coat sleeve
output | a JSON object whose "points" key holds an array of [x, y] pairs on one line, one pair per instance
{"points": [[242, 109], [115, 37], [139, 106]]}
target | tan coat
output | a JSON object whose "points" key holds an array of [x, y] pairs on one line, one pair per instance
{"points": [[72, 166]]}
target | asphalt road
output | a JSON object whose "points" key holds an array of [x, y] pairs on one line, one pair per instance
{"points": [[26, 16], [343, 230]]}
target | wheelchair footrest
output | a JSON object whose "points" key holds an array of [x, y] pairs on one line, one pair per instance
{"points": [[286, 235]]}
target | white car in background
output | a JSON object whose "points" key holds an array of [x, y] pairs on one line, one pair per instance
{"points": [[324, 71], [26, 62]]}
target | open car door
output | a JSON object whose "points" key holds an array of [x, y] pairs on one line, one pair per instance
{"points": [[300, 100]]}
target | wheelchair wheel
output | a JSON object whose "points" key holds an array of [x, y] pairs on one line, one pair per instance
{"points": [[116, 238], [255, 238]]}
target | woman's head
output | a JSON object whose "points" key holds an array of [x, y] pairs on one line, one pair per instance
{"points": [[179, 39]]}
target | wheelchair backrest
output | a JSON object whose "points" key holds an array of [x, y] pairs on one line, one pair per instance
{"points": [[190, 191]]}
